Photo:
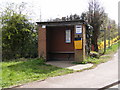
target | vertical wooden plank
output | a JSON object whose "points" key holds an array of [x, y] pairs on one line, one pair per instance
{"points": [[84, 41]]}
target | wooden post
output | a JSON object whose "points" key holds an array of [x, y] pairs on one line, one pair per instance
{"points": [[109, 39], [84, 41], [109, 27], [104, 40]]}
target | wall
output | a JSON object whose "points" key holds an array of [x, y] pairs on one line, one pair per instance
{"points": [[52, 45], [56, 43], [42, 43]]}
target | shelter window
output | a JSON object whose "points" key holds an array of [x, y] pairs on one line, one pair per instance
{"points": [[68, 36]]}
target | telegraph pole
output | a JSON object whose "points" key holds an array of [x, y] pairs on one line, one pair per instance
{"points": [[109, 36], [109, 27], [104, 40], [40, 15]]}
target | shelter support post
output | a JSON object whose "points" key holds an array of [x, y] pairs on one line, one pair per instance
{"points": [[80, 50], [42, 42]]}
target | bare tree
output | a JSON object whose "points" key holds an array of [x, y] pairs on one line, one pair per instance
{"points": [[95, 17]]}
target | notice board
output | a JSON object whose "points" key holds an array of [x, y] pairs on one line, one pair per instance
{"points": [[78, 29], [78, 44]]}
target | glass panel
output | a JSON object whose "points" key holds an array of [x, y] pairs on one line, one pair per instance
{"points": [[68, 36]]}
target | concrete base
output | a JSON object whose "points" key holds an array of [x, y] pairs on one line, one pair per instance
{"points": [[80, 67], [69, 65]]}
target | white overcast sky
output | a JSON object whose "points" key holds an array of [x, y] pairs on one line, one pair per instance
{"points": [[59, 8]]}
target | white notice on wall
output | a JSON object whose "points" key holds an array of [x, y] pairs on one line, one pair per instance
{"points": [[78, 29], [43, 26]]}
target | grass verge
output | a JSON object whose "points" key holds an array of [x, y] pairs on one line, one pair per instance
{"points": [[104, 58], [22, 71]]}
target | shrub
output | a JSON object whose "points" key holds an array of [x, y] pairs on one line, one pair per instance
{"points": [[94, 54]]}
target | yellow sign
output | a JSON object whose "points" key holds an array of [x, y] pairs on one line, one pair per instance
{"points": [[78, 44]]}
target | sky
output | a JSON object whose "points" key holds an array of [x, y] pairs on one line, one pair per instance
{"points": [[50, 9]]}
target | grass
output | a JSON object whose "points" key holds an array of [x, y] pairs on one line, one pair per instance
{"points": [[113, 48], [104, 58], [22, 71]]}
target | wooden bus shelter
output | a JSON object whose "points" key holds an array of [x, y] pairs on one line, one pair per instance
{"points": [[63, 40]]}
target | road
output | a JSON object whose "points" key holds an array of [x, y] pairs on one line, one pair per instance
{"points": [[103, 75]]}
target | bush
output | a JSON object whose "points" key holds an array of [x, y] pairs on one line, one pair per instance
{"points": [[94, 54], [18, 36]]}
